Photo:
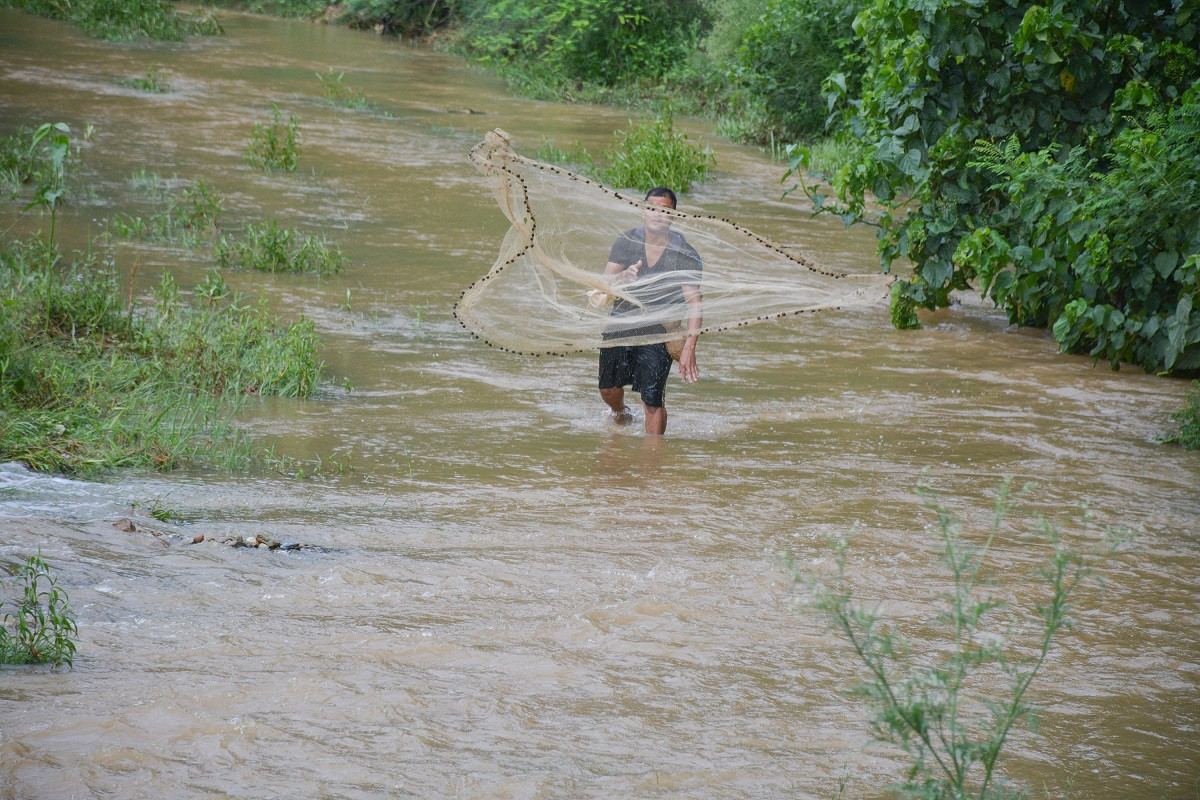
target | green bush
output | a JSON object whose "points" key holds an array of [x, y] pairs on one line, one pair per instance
{"points": [[605, 42], [44, 626], [122, 20], [778, 54], [1073, 83], [403, 17], [91, 383]]}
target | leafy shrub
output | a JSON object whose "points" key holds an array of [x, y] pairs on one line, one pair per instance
{"points": [[1110, 261], [275, 146], [270, 248], [952, 709], [403, 17], [44, 623], [595, 41], [1068, 81], [122, 20], [778, 54]]}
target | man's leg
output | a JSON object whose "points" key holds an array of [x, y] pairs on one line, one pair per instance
{"points": [[614, 374], [656, 420]]}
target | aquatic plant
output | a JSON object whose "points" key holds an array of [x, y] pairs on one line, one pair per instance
{"points": [[122, 20], [275, 146], [44, 625], [154, 81], [952, 709], [270, 248], [336, 92], [90, 381], [188, 220]]}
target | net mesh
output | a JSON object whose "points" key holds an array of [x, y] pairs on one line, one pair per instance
{"points": [[559, 285]]}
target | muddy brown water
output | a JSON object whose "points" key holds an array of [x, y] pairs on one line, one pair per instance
{"points": [[515, 599]]}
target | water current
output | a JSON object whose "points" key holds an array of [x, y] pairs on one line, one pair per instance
{"points": [[508, 597]]}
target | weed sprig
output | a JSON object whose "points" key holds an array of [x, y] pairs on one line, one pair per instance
{"points": [[952, 711]]}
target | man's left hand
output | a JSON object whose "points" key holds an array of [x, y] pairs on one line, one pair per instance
{"points": [[687, 362]]}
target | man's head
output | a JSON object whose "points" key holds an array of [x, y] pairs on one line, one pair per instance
{"points": [[662, 191], [658, 223]]}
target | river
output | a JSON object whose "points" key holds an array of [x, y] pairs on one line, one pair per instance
{"points": [[507, 597]]}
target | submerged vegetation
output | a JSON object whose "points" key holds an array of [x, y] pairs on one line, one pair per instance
{"points": [[44, 627], [269, 248], [123, 20], [154, 81], [952, 710], [275, 146], [188, 219], [90, 382]]}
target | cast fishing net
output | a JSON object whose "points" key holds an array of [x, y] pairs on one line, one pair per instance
{"points": [[548, 293]]}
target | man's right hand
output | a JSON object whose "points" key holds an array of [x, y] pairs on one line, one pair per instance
{"points": [[630, 273]]}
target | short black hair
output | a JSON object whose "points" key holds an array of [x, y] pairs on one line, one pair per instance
{"points": [[663, 191]]}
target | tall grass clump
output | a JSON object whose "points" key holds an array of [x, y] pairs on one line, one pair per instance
{"points": [[275, 146], [952, 706], [124, 20], [43, 624], [90, 382], [188, 219], [269, 248]]}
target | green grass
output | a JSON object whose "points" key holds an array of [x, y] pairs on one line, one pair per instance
{"points": [[269, 248], [154, 81], [124, 20], [90, 382], [275, 146], [188, 219], [44, 628]]}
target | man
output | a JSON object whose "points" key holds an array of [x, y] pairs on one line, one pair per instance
{"points": [[656, 266]]}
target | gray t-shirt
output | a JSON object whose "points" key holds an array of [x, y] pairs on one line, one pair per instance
{"points": [[658, 285]]}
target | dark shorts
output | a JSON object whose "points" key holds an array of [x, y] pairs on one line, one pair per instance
{"points": [[645, 367]]}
